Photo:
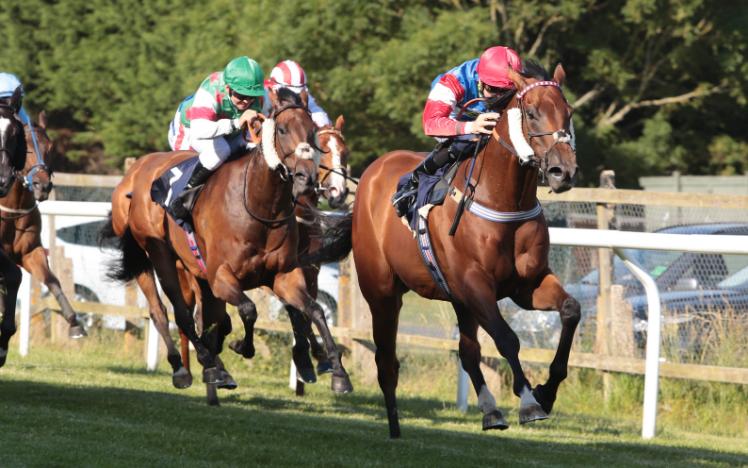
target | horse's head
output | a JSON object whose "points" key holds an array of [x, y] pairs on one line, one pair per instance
{"points": [[333, 164], [12, 143], [540, 128], [38, 176], [288, 140]]}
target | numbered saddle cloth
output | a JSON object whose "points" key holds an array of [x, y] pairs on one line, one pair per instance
{"points": [[172, 182]]}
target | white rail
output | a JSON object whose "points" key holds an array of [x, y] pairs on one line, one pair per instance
{"points": [[616, 240]]}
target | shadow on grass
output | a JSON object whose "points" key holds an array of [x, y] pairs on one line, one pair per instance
{"points": [[119, 427]]}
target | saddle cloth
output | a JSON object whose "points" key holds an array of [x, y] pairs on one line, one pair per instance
{"points": [[432, 190], [172, 182]]}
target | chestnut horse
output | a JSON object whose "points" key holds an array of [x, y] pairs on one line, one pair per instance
{"points": [[500, 248], [21, 223], [245, 228], [12, 160]]}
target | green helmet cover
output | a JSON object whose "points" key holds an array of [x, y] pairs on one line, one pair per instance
{"points": [[244, 76]]}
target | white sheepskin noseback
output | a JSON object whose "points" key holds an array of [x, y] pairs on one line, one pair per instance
{"points": [[521, 146], [268, 144], [305, 151]]}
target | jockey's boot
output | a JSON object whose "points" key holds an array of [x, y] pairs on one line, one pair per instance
{"points": [[403, 198], [181, 206]]}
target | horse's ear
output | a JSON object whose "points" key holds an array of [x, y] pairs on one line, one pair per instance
{"points": [[42, 122], [518, 80], [273, 96], [559, 75], [339, 122], [15, 100], [304, 95]]}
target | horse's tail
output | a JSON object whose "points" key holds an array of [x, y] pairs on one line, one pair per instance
{"points": [[132, 259], [334, 230]]}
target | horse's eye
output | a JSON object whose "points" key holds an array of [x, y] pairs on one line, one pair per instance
{"points": [[532, 115], [281, 130]]}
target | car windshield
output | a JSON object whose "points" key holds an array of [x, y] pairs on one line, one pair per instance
{"points": [[655, 262]]}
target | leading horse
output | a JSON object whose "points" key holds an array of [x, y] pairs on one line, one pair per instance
{"points": [[500, 248]]}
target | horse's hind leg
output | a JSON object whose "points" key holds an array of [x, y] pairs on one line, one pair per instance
{"points": [[11, 279], [302, 329], [164, 263], [548, 296], [181, 376], [216, 326], [384, 315], [480, 297], [470, 357], [35, 262]]}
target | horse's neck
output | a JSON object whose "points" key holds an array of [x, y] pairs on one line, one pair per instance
{"points": [[502, 184], [264, 194]]}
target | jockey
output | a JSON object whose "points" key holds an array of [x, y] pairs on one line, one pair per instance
{"points": [[9, 83], [485, 77], [210, 122], [289, 74]]}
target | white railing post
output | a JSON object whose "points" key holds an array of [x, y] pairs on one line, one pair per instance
{"points": [[24, 293], [462, 387], [652, 363], [151, 359]]}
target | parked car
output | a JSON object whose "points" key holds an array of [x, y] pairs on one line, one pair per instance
{"points": [[79, 237], [687, 281]]}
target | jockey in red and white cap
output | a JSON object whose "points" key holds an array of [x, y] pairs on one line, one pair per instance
{"points": [[289, 74], [484, 77]]}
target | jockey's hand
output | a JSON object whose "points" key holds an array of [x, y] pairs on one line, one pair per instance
{"points": [[246, 118], [484, 123]]}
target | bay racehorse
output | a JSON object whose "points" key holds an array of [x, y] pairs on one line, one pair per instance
{"points": [[500, 248], [245, 228], [21, 223], [12, 160], [332, 176]]}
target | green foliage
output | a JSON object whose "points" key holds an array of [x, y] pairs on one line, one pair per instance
{"points": [[659, 84]]}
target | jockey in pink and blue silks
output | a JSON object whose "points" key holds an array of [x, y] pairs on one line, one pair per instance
{"points": [[484, 77], [210, 122]]}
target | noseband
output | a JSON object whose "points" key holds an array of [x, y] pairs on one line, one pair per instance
{"points": [[336, 168]]}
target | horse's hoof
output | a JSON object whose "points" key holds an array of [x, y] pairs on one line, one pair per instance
{"points": [[212, 376], [530, 413], [341, 384], [545, 402], [228, 381], [306, 375], [76, 331], [181, 378], [324, 367], [242, 348], [494, 420]]}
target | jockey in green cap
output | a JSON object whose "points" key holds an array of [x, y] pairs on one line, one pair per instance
{"points": [[210, 122]]}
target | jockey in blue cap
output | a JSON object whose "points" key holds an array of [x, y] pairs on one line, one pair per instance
{"points": [[9, 83]]}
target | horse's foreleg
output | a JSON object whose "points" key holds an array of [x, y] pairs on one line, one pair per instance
{"points": [[181, 376], [35, 262], [248, 315], [480, 298], [11, 279], [470, 357], [291, 288], [551, 295]]}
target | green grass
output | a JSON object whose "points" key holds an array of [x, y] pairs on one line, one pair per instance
{"points": [[92, 404]]}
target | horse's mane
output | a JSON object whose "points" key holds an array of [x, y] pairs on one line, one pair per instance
{"points": [[286, 97]]}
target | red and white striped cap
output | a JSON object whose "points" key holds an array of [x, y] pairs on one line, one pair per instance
{"points": [[288, 73]]}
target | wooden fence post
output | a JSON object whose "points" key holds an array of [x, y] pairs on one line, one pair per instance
{"points": [[64, 268], [353, 314], [605, 213]]}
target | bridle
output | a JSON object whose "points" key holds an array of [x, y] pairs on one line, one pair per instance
{"points": [[284, 173], [335, 168]]}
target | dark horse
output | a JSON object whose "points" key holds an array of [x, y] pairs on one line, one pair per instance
{"points": [[12, 160], [21, 223], [245, 227], [493, 254]]}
